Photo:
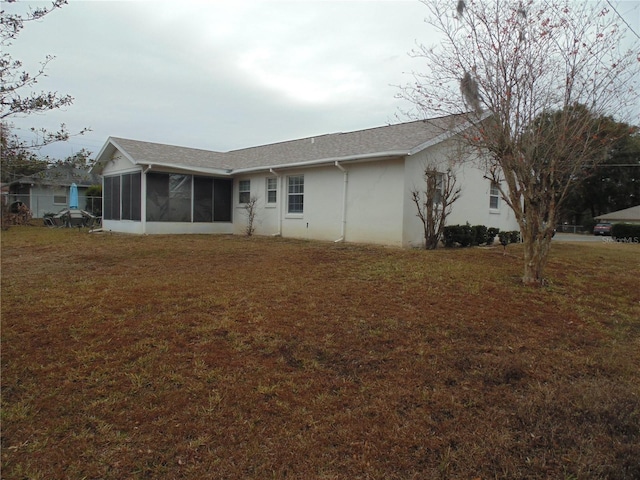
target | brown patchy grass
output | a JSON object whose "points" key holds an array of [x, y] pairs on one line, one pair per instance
{"points": [[227, 357]]}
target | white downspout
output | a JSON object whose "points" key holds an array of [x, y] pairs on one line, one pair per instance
{"points": [[280, 202], [343, 227]]}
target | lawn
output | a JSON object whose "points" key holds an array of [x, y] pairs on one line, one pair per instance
{"points": [[189, 357]]}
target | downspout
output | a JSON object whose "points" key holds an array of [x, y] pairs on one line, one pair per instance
{"points": [[143, 200], [281, 201], [344, 202]]}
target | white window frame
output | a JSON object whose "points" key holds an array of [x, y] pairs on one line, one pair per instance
{"points": [[271, 189], [291, 194], [494, 197], [244, 190]]}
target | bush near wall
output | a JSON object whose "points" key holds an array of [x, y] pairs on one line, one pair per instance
{"points": [[626, 232], [467, 235]]}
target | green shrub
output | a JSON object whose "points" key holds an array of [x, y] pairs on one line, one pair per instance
{"points": [[466, 235], [626, 232], [480, 234], [505, 238], [462, 235], [514, 236]]}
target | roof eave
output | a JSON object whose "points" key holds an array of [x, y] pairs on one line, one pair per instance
{"points": [[212, 171]]}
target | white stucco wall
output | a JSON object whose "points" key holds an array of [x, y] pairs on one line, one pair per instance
{"points": [[378, 204], [473, 204], [118, 164], [374, 199]]}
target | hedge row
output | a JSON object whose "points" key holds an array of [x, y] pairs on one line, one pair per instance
{"points": [[625, 230], [467, 235]]}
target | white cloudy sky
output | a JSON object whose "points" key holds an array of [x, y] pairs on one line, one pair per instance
{"points": [[225, 74]]}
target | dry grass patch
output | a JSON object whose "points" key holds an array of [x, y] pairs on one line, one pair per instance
{"points": [[227, 357]]}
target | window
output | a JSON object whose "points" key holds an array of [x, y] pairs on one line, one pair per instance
{"points": [[244, 191], [60, 199], [202, 199], [494, 196], [168, 197], [212, 199], [122, 197], [111, 198], [131, 196], [295, 202], [437, 194], [222, 199], [272, 190], [171, 198]]}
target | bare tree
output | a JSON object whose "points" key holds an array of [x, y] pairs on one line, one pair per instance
{"points": [[17, 94], [536, 78], [251, 211], [434, 203]]}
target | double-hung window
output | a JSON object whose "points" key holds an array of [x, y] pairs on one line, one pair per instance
{"points": [[272, 190], [494, 197], [438, 186], [244, 191], [295, 194]]}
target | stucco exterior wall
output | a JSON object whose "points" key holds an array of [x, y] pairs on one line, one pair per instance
{"points": [[118, 164], [377, 207], [473, 204], [374, 193]]}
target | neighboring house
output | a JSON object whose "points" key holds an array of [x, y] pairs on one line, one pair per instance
{"points": [[628, 215], [48, 191], [352, 186]]}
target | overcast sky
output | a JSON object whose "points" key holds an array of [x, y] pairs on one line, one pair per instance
{"points": [[227, 74]]}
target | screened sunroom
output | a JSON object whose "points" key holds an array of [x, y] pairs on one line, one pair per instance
{"points": [[159, 202]]}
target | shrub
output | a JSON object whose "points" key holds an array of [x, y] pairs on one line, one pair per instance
{"points": [[505, 238], [626, 232], [462, 235], [480, 235], [514, 236], [466, 235]]}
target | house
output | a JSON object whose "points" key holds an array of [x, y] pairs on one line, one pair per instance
{"points": [[628, 215], [48, 190], [353, 186]]}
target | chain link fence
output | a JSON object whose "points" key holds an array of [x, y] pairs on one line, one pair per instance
{"points": [[43, 205]]}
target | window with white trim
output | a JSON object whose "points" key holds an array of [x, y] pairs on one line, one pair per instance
{"points": [[244, 191], [439, 185], [295, 194], [272, 190], [494, 197]]}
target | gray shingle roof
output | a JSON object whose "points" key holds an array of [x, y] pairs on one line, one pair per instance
{"points": [[62, 176], [627, 215], [160, 154], [391, 140]]}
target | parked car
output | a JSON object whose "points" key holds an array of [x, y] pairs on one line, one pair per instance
{"points": [[602, 229]]}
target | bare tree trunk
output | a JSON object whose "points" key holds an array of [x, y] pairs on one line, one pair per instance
{"points": [[535, 258]]}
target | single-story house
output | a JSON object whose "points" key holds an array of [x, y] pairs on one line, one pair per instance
{"points": [[48, 190], [627, 215], [353, 186]]}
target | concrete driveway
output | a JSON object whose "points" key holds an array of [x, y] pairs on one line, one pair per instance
{"points": [[578, 237]]}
